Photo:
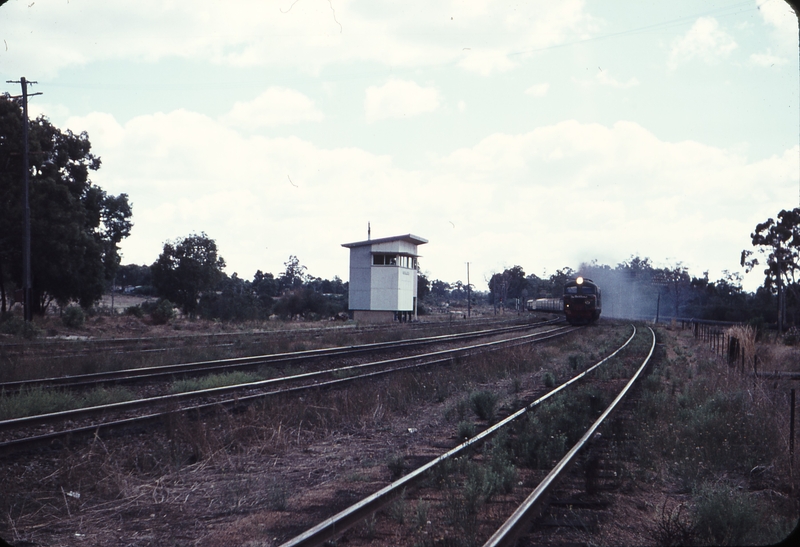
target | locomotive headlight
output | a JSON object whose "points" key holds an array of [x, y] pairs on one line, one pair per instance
{"points": [[579, 281]]}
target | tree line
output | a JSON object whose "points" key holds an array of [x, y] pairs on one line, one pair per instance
{"points": [[189, 275]]}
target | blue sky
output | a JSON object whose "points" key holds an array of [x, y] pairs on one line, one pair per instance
{"points": [[543, 134]]}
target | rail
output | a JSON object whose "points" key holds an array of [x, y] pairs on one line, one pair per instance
{"points": [[355, 513]]}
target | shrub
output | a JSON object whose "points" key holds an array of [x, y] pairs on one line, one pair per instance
{"points": [[725, 516], [161, 312], [466, 430], [16, 326], [549, 379], [73, 317], [135, 311], [483, 404]]}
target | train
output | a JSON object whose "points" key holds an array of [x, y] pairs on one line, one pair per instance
{"points": [[581, 303]]}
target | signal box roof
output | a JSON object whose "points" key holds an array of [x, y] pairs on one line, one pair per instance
{"points": [[408, 238]]}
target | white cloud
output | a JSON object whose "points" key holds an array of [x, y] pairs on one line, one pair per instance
{"points": [[45, 38], [780, 16], [186, 172], [604, 78], [276, 106], [767, 59], [704, 41], [486, 62], [399, 99], [538, 90]]}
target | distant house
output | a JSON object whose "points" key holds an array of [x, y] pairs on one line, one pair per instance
{"points": [[383, 278]]}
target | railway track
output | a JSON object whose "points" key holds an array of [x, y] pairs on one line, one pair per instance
{"points": [[519, 522], [160, 372], [20, 433], [68, 348]]}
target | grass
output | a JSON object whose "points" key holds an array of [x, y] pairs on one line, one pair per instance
{"points": [[35, 401], [214, 380], [715, 436]]}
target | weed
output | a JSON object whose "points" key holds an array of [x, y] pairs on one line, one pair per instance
{"points": [[397, 509], [725, 516], [483, 403], [545, 435], [370, 526], [396, 465], [548, 379], [421, 514], [673, 527], [466, 430], [212, 381], [35, 401]]}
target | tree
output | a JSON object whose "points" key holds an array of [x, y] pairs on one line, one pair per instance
{"points": [[186, 269], [294, 276], [780, 243], [75, 225], [508, 284]]}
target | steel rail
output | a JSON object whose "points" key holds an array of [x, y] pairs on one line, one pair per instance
{"points": [[518, 522], [142, 373], [107, 344], [240, 400], [443, 356], [346, 518]]}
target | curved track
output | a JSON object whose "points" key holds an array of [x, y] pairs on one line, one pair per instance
{"points": [[509, 531]]}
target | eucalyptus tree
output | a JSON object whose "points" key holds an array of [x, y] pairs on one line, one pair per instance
{"points": [[778, 242], [75, 226]]}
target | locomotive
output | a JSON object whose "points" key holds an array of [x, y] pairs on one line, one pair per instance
{"points": [[581, 302]]}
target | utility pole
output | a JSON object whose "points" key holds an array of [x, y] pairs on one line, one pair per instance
{"points": [[26, 244], [469, 295]]}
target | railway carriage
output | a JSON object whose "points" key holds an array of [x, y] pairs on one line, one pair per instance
{"points": [[582, 301]]}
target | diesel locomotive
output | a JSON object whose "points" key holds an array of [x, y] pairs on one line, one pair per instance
{"points": [[581, 302]]}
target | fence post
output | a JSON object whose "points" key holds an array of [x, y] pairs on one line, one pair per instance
{"points": [[791, 436]]}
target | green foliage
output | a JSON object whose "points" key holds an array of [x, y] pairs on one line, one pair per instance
{"points": [[186, 269], [75, 226], [724, 515], [16, 326], [483, 403], [548, 379], [546, 434], [576, 361], [135, 311], [466, 430], [161, 312], [213, 380], [73, 317], [396, 465], [31, 402]]}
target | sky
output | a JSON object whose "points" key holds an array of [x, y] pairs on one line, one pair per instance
{"points": [[541, 134]]}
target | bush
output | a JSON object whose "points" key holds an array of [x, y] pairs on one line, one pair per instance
{"points": [[161, 312], [73, 317], [483, 404], [725, 516], [135, 311], [466, 430], [16, 326]]}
